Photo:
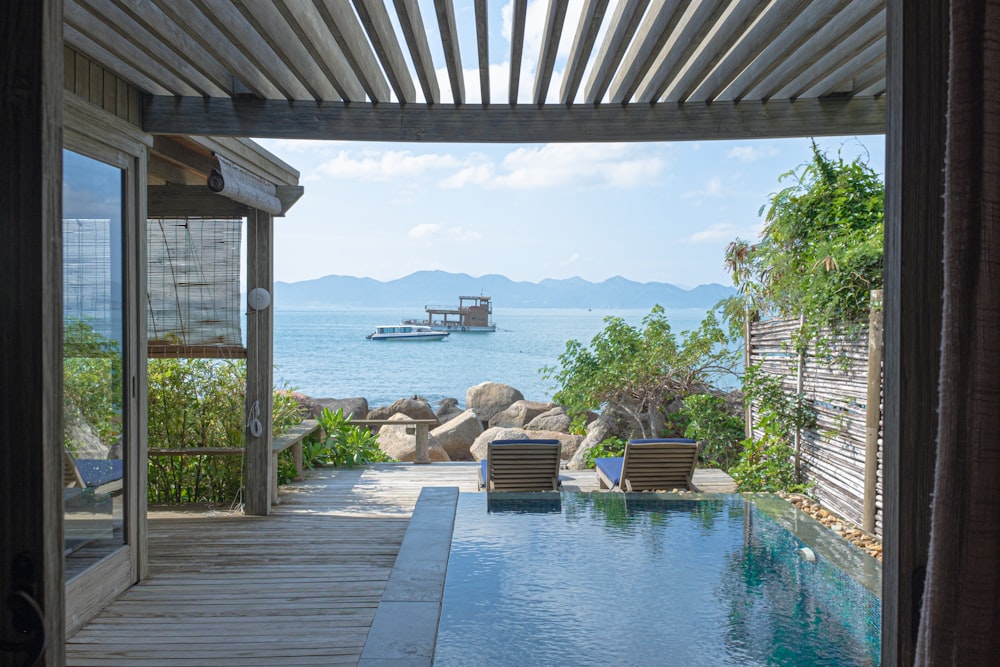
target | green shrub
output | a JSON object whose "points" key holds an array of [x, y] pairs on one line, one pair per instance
{"points": [[349, 444], [720, 434], [606, 448]]}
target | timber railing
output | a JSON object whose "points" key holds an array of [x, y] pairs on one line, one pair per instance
{"points": [[420, 429]]}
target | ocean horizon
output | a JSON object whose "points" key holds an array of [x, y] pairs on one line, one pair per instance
{"points": [[324, 353]]}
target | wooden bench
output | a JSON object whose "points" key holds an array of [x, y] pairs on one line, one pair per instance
{"points": [[421, 429], [291, 439]]}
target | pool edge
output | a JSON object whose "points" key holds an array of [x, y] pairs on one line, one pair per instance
{"points": [[404, 629]]}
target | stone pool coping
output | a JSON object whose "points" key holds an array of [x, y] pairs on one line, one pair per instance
{"points": [[404, 630]]}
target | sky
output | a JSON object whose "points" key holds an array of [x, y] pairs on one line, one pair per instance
{"points": [[646, 211]]}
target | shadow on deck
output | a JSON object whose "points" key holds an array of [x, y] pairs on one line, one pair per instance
{"points": [[299, 587]]}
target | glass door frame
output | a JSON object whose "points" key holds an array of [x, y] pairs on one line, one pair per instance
{"points": [[98, 135]]}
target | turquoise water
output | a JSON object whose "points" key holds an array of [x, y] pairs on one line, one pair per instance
{"points": [[634, 579], [324, 353]]}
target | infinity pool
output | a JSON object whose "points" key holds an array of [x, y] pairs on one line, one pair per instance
{"points": [[652, 579]]}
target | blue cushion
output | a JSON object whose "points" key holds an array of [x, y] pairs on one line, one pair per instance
{"points": [[482, 472], [96, 472], [611, 467], [647, 440]]}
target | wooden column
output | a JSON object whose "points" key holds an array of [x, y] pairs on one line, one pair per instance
{"points": [[260, 355], [31, 503], [917, 64], [873, 409]]}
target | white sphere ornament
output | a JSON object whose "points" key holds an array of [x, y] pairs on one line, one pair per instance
{"points": [[259, 298]]}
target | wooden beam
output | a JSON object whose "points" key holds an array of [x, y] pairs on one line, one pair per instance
{"points": [[260, 358], [623, 25], [520, 124], [181, 201], [383, 39], [516, 49], [483, 49], [31, 375], [412, 24], [917, 58], [551, 32], [350, 35], [656, 30], [583, 43], [452, 54]]}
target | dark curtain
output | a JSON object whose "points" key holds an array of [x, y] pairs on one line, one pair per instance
{"points": [[960, 618]]}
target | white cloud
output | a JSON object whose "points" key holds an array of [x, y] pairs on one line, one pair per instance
{"points": [[431, 232], [424, 231], [555, 165], [712, 188], [382, 166], [751, 152], [715, 233]]}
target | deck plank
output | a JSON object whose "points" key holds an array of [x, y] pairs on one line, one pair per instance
{"points": [[299, 587]]}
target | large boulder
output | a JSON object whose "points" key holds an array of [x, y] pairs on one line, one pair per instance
{"points": [[448, 409], [457, 435], [597, 432], [81, 439], [491, 398], [519, 413], [479, 447], [555, 419], [400, 445], [312, 408], [568, 443], [414, 408]]}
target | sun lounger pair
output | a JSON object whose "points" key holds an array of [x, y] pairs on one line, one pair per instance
{"points": [[650, 465], [521, 465]]}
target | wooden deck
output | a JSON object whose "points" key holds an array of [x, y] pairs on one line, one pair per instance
{"points": [[299, 587]]}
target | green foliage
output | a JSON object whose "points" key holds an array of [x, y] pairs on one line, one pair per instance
{"points": [[92, 378], [200, 403], [349, 444], [820, 252], [638, 370], [719, 433], [606, 448], [767, 463]]}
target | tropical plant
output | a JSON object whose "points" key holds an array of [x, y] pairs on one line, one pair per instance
{"points": [[719, 433], [606, 448], [820, 251], [92, 378], [639, 370], [349, 444]]}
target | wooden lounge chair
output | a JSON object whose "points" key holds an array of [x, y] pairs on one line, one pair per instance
{"points": [[101, 475], [521, 465], [650, 465]]}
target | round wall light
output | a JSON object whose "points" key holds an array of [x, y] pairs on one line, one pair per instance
{"points": [[258, 298]]}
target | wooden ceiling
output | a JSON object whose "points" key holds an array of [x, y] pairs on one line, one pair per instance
{"points": [[393, 70]]}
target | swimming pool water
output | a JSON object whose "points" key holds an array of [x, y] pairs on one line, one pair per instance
{"points": [[639, 579]]}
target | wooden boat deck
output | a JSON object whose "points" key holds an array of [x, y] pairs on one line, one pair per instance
{"points": [[299, 587]]}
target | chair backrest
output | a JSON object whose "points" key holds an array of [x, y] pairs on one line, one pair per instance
{"points": [[659, 465], [523, 465], [71, 476]]}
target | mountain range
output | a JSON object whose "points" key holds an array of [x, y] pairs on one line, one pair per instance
{"points": [[442, 288]]}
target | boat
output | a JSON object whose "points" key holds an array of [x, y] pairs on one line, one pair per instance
{"points": [[405, 332], [473, 314]]}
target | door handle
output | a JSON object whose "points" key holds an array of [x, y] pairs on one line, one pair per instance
{"points": [[27, 617]]}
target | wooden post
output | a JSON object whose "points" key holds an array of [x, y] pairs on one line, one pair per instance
{"points": [[917, 68], [31, 412], [748, 319], [421, 452], [260, 354], [873, 410], [799, 379]]}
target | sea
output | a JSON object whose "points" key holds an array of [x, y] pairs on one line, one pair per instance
{"points": [[324, 353]]}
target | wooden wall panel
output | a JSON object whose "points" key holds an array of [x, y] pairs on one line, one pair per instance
{"points": [[102, 88]]}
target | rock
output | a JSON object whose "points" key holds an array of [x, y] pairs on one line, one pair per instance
{"points": [[478, 449], [457, 435], [397, 443], [597, 432], [491, 398], [569, 443], [519, 413], [555, 419], [448, 409], [414, 408], [81, 439], [313, 407]]}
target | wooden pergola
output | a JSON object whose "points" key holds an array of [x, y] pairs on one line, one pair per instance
{"points": [[637, 70]]}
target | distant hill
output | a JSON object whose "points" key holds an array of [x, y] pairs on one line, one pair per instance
{"points": [[442, 288]]}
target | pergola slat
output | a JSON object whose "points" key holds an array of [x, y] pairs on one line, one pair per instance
{"points": [[377, 24], [288, 45], [858, 63], [555, 19], [583, 44], [845, 34], [412, 23], [343, 24], [653, 35], [694, 24], [623, 25], [219, 47], [766, 26], [512, 124], [816, 14], [449, 42], [516, 48], [103, 36], [483, 49], [89, 47]]}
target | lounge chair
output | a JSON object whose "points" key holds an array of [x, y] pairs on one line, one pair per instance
{"points": [[101, 475], [521, 465], [650, 465]]}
